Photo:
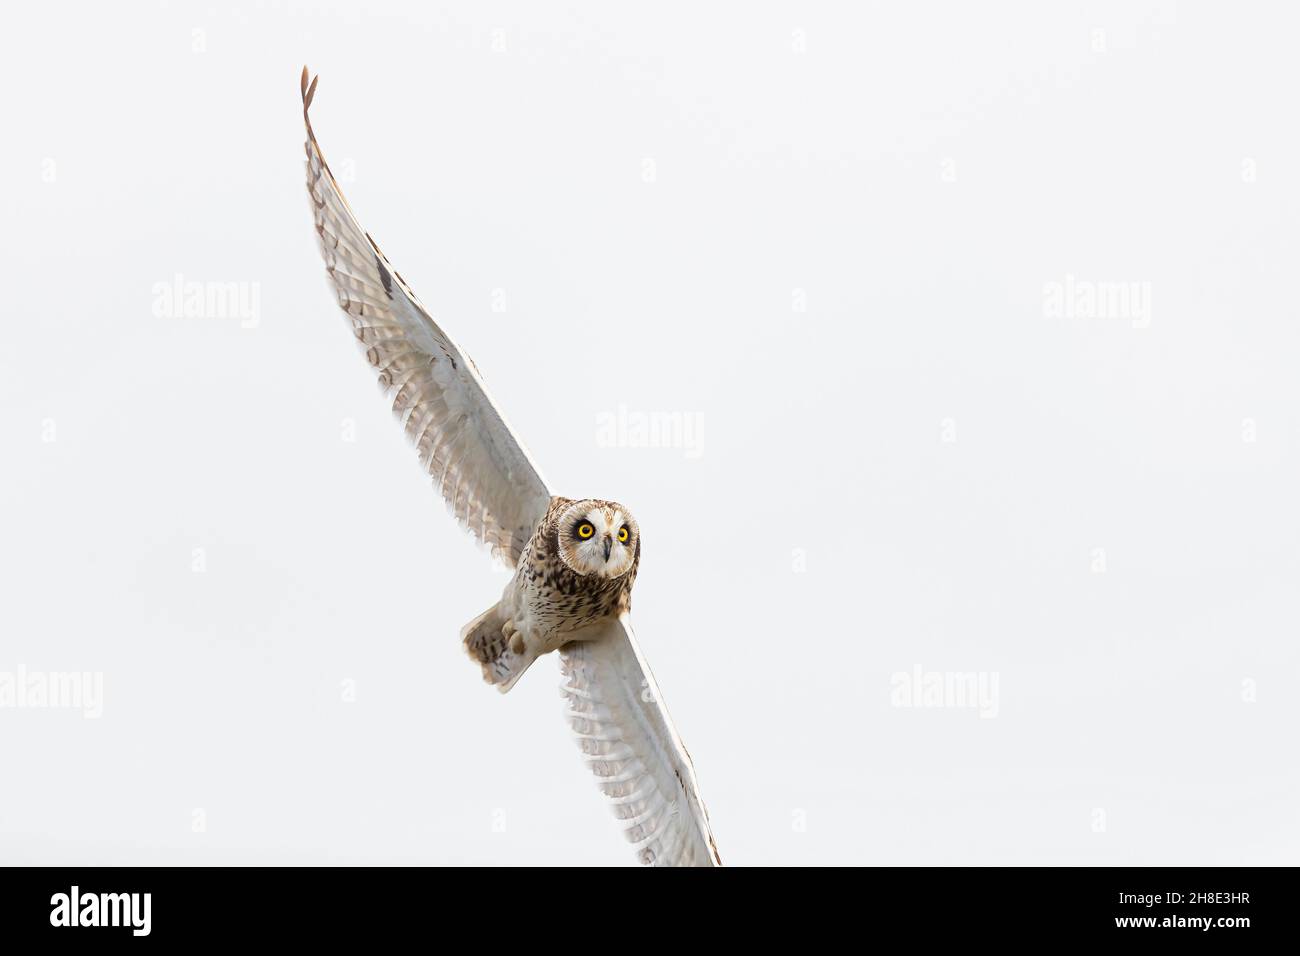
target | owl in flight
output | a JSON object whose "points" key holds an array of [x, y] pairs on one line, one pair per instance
{"points": [[574, 560]]}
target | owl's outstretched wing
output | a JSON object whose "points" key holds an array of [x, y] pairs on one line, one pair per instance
{"points": [[629, 742], [490, 484]]}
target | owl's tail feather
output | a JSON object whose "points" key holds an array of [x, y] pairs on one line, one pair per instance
{"points": [[487, 644]]}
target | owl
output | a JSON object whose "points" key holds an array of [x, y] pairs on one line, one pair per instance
{"points": [[574, 560]]}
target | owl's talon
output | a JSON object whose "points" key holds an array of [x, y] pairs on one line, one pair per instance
{"points": [[513, 637]]}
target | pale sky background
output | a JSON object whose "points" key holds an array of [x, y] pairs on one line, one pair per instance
{"points": [[828, 235]]}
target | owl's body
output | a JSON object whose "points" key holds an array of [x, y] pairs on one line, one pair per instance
{"points": [[565, 587]]}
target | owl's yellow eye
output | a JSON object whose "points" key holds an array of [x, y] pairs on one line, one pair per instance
{"points": [[622, 533], [585, 531]]}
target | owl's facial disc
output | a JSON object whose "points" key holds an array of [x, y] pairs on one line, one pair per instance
{"points": [[598, 538]]}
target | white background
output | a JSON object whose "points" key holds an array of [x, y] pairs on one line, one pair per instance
{"points": [[836, 261]]}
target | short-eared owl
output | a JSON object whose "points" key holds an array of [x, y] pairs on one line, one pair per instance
{"points": [[574, 561]]}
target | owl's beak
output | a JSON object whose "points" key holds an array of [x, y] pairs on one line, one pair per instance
{"points": [[609, 543]]}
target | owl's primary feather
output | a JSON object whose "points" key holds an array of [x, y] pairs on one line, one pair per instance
{"points": [[633, 749], [493, 488], [487, 478]]}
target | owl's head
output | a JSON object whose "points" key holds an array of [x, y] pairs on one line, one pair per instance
{"points": [[598, 538]]}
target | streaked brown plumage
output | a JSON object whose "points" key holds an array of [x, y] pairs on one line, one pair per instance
{"points": [[564, 587]]}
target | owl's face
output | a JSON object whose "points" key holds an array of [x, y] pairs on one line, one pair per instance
{"points": [[598, 538]]}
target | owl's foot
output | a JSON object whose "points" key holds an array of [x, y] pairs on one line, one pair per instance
{"points": [[514, 637]]}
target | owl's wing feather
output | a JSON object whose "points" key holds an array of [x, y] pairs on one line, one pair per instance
{"points": [[482, 470], [630, 744]]}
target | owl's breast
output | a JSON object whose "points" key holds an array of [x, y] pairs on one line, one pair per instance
{"points": [[555, 598]]}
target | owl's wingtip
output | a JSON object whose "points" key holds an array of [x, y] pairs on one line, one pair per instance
{"points": [[308, 89]]}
